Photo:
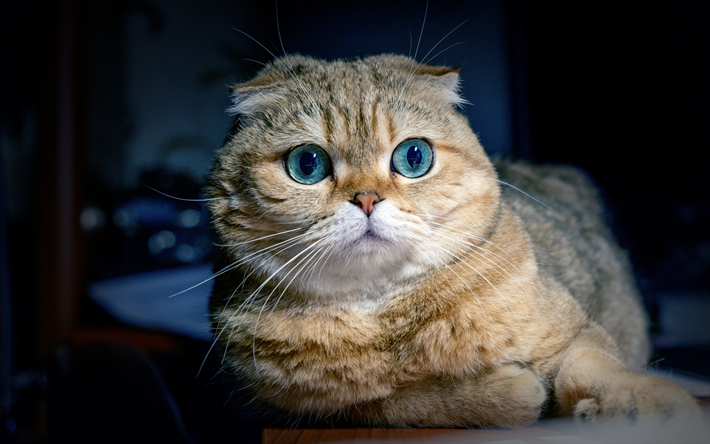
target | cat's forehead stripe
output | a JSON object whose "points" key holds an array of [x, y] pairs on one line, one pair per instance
{"points": [[355, 109]]}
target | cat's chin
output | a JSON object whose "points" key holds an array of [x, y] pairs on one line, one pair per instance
{"points": [[359, 283], [370, 244]]}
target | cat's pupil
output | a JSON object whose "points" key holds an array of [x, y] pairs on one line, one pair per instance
{"points": [[308, 163], [414, 157]]}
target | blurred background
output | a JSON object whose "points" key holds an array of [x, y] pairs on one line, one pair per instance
{"points": [[106, 104]]}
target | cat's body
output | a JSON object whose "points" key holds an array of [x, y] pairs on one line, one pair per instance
{"points": [[378, 271]]}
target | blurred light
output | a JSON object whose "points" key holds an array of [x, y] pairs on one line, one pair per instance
{"points": [[92, 219], [160, 241], [189, 218], [187, 253], [127, 220], [121, 218]]}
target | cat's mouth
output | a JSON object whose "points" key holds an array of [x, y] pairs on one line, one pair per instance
{"points": [[371, 238], [371, 235]]}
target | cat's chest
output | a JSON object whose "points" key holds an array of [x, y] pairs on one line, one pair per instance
{"points": [[325, 356], [454, 340], [363, 347]]}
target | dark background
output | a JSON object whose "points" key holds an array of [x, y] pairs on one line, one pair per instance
{"points": [[99, 99]]}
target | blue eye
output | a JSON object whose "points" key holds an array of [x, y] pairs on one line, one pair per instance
{"points": [[308, 164], [412, 158]]}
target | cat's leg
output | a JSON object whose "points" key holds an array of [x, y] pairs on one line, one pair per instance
{"points": [[592, 383], [507, 396]]}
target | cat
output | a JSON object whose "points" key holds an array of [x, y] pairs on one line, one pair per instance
{"points": [[380, 267]]}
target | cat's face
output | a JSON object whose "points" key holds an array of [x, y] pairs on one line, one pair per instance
{"points": [[349, 176]]}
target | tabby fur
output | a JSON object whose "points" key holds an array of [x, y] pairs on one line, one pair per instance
{"points": [[459, 301]]}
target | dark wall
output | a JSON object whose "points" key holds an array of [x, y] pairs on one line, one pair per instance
{"points": [[621, 89]]}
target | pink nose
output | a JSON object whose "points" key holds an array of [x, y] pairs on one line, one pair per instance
{"points": [[366, 201]]}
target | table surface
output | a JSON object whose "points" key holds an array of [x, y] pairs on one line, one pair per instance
{"points": [[555, 431]]}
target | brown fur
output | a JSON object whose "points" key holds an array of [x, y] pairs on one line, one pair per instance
{"points": [[474, 305]]}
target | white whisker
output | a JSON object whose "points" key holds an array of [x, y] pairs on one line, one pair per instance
{"points": [[251, 297], [183, 199], [503, 297], [424, 60], [463, 281], [257, 239], [278, 28], [515, 188], [256, 41], [234, 265], [421, 31], [416, 51], [444, 50], [263, 284], [285, 245], [474, 249]]}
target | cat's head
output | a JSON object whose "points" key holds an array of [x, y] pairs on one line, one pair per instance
{"points": [[348, 175]]}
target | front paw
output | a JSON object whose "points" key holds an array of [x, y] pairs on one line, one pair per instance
{"points": [[633, 398]]}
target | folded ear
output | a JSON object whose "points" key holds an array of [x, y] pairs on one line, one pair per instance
{"points": [[445, 81], [269, 86], [249, 99]]}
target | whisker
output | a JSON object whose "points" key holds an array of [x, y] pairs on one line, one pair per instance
{"points": [[207, 199], [278, 27], [256, 41], [243, 307], [257, 239], [411, 43], [288, 243], [515, 188], [514, 264], [474, 248], [463, 281], [250, 299], [421, 31], [233, 266], [499, 246], [424, 59], [256, 61], [485, 279], [441, 40], [309, 258], [331, 249], [443, 51], [219, 273], [495, 265], [416, 51], [263, 284], [318, 261]]}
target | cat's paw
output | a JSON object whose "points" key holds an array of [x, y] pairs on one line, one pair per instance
{"points": [[516, 396], [633, 398], [506, 396]]}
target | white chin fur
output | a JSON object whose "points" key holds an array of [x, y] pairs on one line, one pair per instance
{"points": [[364, 258]]}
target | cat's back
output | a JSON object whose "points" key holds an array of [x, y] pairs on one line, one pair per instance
{"points": [[565, 218]]}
